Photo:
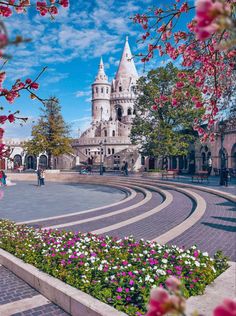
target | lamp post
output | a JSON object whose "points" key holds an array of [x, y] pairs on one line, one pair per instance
{"points": [[222, 154], [101, 165]]}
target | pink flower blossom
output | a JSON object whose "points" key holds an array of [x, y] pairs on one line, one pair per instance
{"points": [[227, 308], [173, 284]]}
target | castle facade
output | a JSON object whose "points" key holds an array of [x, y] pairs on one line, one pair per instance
{"points": [[107, 139]]}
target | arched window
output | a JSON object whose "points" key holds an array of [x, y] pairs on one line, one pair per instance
{"points": [[96, 89], [223, 158], [105, 133], [31, 162], [134, 112], [119, 113], [17, 160], [120, 88], [113, 151], [233, 157], [101, 90], [109, 151], [113, 133], [107, 90], [203, 160], [43, 161], [129, 112]]}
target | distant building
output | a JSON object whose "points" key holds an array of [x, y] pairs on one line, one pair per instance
{"points": [[107, 139]]}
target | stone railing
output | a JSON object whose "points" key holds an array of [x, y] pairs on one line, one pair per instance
{"points": [[97, 140]]}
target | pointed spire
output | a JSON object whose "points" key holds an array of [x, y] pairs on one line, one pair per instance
{"points": [[101, 76], [127, 67]]}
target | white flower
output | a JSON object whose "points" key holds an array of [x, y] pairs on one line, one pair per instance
{"points": [[164, 260], [205, 254], [197, 264]]}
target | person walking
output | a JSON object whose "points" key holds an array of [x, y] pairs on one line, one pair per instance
{"points": [[126, 173], [4, 178], [39, 176], [42, 177], [209, 166]]}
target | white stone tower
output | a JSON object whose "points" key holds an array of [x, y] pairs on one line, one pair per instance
{"points": [[123, 87], [101, 91]]}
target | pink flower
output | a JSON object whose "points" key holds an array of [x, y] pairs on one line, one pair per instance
{"points": [[227, 308], [179, 85], [118, 297], [173, 284], [119, 289], [158, 304], [11, 118]]}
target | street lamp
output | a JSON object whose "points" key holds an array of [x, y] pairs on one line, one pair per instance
{"points": [[221, 128], [101, 164]]}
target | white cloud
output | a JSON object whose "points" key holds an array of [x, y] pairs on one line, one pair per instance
{"points": [[82, 93]]}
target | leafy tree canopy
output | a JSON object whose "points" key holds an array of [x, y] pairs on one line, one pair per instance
{"points": [[51, 133], [165, 128]]}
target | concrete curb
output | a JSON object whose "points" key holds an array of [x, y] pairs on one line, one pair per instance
{"points": [[187, 223], [70, 299], [168, 200], [78, 303]]}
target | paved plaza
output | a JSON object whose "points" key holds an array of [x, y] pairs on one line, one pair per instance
{"points": [[25, 200], [147, 208]]}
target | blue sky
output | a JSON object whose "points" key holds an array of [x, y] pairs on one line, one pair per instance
{"points": [[71, 47]]}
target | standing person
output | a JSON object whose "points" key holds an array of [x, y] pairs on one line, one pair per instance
{"points": [[1, 177], [42, 177], [4, 178], [209, 166], [126, 173], [39, 176]]}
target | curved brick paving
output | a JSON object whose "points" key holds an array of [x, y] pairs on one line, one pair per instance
{"points": [[156, 200], [216, 229], [161, 222]]}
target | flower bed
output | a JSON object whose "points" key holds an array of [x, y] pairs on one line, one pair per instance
{"points": [[119, 272]]}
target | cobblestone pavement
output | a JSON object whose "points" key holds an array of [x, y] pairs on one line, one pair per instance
{"points": [[90, 226], [155, 225], [13, 290], [26, 201], [216, 230], [45, 310]]}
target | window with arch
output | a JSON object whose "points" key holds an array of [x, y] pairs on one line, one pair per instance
{"points": [[129, 112], [17, 160], [96, 89], [109, 151], [43, 161], [102, 90], [119, 113], [107, 90], [134, 112], [120, 88], [105, 133], [113, 151], [113, 133]]}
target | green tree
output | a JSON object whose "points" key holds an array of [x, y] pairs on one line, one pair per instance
{"points": [[51, 133], [164, 128]]}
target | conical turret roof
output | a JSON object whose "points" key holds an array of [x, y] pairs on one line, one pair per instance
{"points": [[127, 67], [101, 76]]}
